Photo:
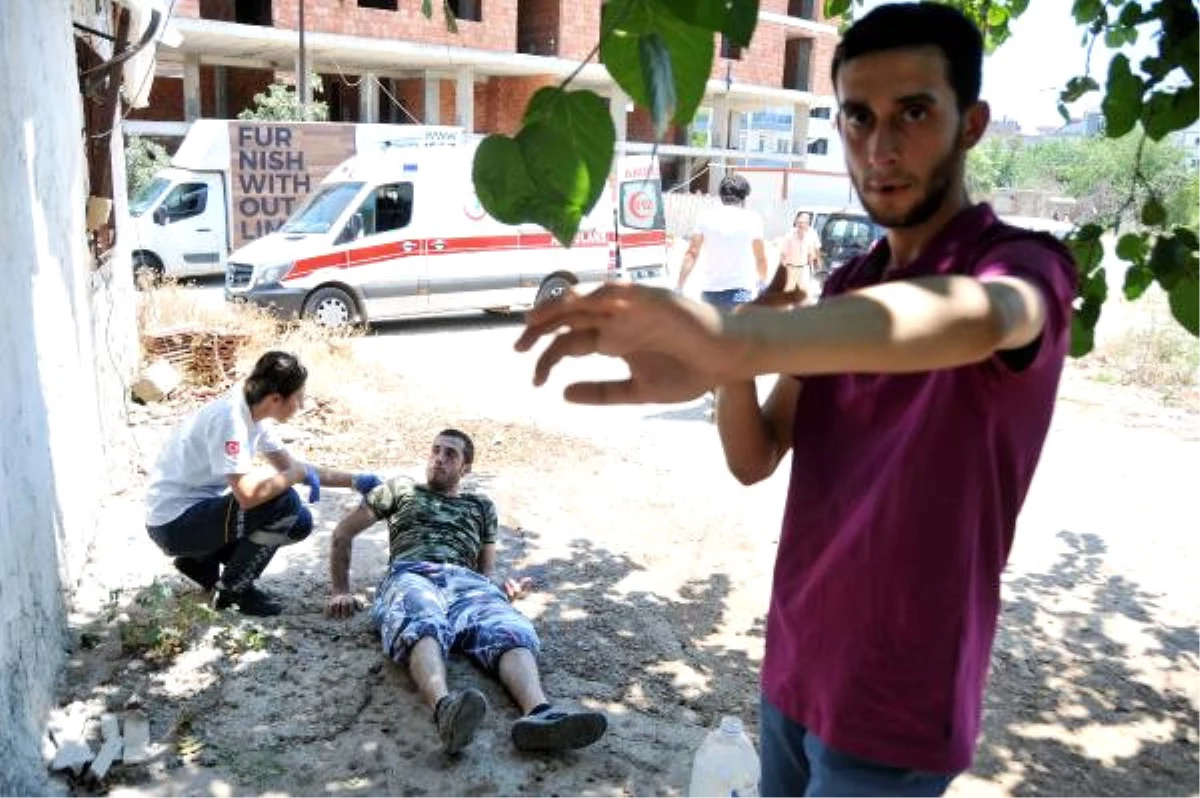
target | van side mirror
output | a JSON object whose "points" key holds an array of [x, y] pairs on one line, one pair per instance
{"points": [[160, 215]]}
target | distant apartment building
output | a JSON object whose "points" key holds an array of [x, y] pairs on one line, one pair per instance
{"points": [[1188, 140], [383, 61]]}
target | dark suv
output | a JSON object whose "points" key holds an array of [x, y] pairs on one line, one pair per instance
{"points": [[846, 235]]}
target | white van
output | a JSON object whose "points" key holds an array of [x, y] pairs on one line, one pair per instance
{"points": [[233, 181], [400, 233]]}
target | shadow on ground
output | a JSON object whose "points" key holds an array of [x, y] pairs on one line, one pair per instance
{"points": [[1089, 695]]}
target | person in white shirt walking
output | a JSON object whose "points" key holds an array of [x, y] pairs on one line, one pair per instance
{"points": [[735, 265], [208, 504]]}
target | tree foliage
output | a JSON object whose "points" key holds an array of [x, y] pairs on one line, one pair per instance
{"points": [[281, 103], [143, 157], [660, 53]]}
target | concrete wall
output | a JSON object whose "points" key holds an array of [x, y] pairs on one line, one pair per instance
{"points": [[56, 394]]}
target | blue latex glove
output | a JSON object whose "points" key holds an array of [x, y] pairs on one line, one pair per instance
{"points": [[365, 483], [313, 480]]}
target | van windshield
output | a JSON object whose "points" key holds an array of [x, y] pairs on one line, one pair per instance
{"points": [[322, 209], [148, 196]]}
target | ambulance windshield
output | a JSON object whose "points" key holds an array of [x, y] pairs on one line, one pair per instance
{"points": [[322, 209]]}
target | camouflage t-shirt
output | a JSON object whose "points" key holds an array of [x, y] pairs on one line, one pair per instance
{"points": [[426, 526]]}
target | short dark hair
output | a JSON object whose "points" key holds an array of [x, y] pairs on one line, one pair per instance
{"points": [[275, 372], [898, 26], [734, 188], [468, 444]]}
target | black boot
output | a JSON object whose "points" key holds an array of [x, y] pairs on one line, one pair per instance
{"points": [[201, 570], [236, 586]]}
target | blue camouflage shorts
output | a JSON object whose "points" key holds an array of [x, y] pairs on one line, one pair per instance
{"points": [[458, 607]]}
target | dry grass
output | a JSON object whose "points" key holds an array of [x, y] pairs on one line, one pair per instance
{"points": [[1142, 344], [328, 354]]}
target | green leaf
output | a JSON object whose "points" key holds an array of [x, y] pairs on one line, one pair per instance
{"points": [[690, 48], [660, 85], [1077, 87], [1166, 112], [1123, 101], [1169, 261], [1184, 298], [1017, 7], [1086, 249], [502, 184], [585, 135], [1155, 67], [1153, 213], [997, 15], [836, 8], [427, 9], [1137, 280], [555, 168], [1083, 336], [1187, 237], [1132, 247], [451, 20], [1086, 10], [735, 18], [1131, 15]]}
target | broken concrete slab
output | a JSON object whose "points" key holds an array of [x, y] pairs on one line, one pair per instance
{"points": [[111, 750], [137, 737], [156, 382]]}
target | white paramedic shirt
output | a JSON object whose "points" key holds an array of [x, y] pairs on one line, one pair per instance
{"points": [[218, 440], [727, 253]]}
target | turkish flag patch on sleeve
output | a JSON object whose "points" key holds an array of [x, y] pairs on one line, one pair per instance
{"points": [[232, 448]]}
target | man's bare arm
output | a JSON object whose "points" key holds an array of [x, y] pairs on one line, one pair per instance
{"points": [[760, 260], [755, 439], [903, 326], [341, 604], [689, 259]]}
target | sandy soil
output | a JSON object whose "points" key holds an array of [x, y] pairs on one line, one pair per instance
{"points": [[653, 568]]}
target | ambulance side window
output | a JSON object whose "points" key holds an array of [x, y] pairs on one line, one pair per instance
{"points": [[389, 207]]}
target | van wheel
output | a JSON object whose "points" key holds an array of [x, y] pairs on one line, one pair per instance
{"points": [[330, 307], [147, 270], [553, 287]]}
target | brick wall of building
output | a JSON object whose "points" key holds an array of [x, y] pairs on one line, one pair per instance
{"points": [[166, 95], [580, 28], [497, 30], [500, 102]]}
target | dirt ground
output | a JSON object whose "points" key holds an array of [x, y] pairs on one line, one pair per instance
{"points": [[653, 574]]}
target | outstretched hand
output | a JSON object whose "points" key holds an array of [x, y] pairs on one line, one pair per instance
{"points": [[671, 345]]}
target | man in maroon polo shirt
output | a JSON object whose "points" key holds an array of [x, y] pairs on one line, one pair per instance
{"points": [[924, 382]]}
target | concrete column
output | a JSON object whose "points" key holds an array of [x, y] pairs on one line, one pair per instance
{"points": [[800, 130], [464, 99], [368, 98], [618, 104], [433, 100], [720, 122], [221, 91], [191, 88], [735, 127]]}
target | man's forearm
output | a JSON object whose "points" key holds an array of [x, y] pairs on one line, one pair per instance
{"points": [[907, 326], [685, 269], [339, 562], [263, 484], [751, 451], [333, 478]]}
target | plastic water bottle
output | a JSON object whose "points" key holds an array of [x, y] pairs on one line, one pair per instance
{"points": [[726, 763]]}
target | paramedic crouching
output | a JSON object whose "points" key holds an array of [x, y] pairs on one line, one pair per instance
{"points": [[208, 505]]}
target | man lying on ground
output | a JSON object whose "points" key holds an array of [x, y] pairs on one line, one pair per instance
{"points": [[440, 593]]}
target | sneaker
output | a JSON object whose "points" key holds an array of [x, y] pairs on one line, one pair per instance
{"points": [[201, 570], [250, 601], [558, 730], [457, 716]]}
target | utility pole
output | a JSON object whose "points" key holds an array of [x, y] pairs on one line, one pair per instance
{"points": [[302, 78]]}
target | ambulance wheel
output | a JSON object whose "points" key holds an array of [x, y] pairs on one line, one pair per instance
{"points": [[553, 287], [147, 270], [330, 307]]}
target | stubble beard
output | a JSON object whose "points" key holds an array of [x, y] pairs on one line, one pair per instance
{"points": [[940, 181]]}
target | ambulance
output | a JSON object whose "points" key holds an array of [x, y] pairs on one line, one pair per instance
{"points": [[399, 232]]}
